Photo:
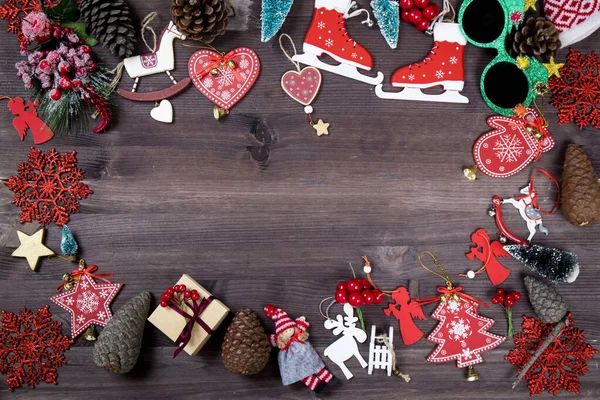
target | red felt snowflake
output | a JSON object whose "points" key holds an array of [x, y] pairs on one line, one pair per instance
{"points": [[13, 11], [560, 365], [48, 187], [31, 347], [576, 93]]}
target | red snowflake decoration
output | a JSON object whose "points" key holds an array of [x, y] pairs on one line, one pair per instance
{"points": [[13, 11], [560, 365], [31, 348], [48, 187], [576, 93]]}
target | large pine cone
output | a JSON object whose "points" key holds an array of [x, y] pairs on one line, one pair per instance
{"points": [[118, 346], [549, 306], [537, 38], [245, 347], [109, 22], [201, 20], [580, 188]]}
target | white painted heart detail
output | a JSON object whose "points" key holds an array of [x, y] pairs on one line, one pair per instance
{"points": [[163, 113], [234, 74], [302, 86]]}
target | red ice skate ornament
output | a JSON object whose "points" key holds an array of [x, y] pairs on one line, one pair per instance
{"points": [[486, 251], [404, 309], [327, 34], [514, 143], [26, 117], [224, 78]]}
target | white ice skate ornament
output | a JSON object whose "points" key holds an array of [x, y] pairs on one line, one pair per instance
{"points": [[327, 34], [345, 347], [380, 356], [442, 67]]}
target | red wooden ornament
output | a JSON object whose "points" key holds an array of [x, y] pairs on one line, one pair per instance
{"points": [[405, 310], [510, 147], [302, 86], [224, 78], [26, 117], [486, 251]]}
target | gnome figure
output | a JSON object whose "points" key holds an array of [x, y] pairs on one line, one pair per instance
{"points": [[298, 361]]}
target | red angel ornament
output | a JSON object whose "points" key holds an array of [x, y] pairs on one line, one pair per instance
{"points": [[486, 251], [405, 310], [26, 117]]}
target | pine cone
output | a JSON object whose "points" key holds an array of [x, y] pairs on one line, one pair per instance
{"points": [[201, 20], [546, 302], [109, 22], [245, 347], [537, 38], [118, 346], [580, 188]]}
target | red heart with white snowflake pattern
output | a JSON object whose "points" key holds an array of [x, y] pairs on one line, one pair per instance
{"points": [[302, 86], [224, 78]]}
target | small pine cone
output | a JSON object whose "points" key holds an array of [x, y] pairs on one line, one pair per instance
{"points": [[110, 23], [580, 188], [118, 346], [537, 37], [201, 20], [245, 348], [549, 306]]}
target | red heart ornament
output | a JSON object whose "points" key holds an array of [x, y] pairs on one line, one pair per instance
{"points": [[302, 86], [509, 147], [231, 83]]}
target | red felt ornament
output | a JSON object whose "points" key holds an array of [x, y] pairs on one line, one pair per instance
{"points": [[26, 117], [13, 11], [487, 250], [404, 309], [576, 92], [48, 187], [31, 347]]}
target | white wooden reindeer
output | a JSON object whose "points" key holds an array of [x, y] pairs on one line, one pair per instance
{"points": [[345, 347], [380, 356], [527, 206]]}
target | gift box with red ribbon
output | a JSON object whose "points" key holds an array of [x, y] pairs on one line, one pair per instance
{"points": [[189, 320]]}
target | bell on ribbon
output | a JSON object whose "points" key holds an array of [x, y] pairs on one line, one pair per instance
{"points": [[472, 374], [214, 72], [67, 277], [231, 64], [470, 173], [69, 286], [90, 333], [219, 112]]}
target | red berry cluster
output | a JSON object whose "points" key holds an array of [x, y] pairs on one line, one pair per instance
{"points": [[178, 294], [419, 12], [357, 292], [508, 300]]}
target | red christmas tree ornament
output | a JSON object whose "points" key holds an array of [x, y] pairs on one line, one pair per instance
{"points": [[560, 365], [88, 303], [26, 118], [48, 187], [514, 143], [576, 92], [13, 12], [404, 309], [31, 348], [487, 250]]}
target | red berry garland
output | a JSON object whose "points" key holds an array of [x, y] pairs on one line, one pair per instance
{"points": [[507, 301]]}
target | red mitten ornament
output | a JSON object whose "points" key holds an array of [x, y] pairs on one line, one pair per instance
{"points": [[514, 143]]}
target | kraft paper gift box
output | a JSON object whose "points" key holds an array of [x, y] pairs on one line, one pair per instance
{"points": [[171, 323]]}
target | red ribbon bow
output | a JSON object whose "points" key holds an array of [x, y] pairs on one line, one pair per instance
{"points": [[86, 271], [220, 59], [186, 333], [448, 293], [539, 124]]}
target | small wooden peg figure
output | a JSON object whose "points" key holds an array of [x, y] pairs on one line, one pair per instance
{"points": [[486, 251], [405, 310], [27, 118]]}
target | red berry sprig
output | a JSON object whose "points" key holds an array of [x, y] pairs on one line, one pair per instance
{"points": [[507, 301], [357, 292], [178, 294], [419, 13]]}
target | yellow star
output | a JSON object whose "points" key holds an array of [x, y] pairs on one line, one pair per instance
{"points": [[553, 68], [530, 4], [32, 248], [321, 128]]}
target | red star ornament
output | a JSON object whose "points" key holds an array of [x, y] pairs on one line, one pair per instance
{"points": [[88, 303]]}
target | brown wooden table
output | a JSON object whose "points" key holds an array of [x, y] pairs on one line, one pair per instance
{"points": [[260, 210]]}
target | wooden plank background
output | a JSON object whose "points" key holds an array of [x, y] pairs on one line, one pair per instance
{"points": [[260, 210]]}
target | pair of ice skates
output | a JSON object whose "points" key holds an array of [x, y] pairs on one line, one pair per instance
{"points": [[442, 67]]}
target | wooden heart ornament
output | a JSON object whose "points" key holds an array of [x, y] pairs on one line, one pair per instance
{"points": [[224, 78], [302, 86]]}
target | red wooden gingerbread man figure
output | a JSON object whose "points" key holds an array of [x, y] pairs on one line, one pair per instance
{"points": [[27, 118], [405, 314], [487, 251]]}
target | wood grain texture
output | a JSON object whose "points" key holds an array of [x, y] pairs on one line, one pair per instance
{"points": [[260, 210]]}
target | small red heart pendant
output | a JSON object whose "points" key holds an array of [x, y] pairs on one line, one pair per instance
{"points": [[224, 78], [302, 86]]}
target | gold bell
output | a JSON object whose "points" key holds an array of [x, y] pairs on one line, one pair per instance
{"points": [[537, 134], [219, 112], [231, 64], [214, 72], [470, 173], [68, 286], [472, 374], [67, 277], [90, 333]]}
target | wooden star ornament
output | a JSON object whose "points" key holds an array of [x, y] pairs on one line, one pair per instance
{"points": [[321, 128], [530, 4], [32, 248], [553, 68]]}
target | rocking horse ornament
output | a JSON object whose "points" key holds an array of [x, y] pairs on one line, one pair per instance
{"points": [[528, 207]]}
